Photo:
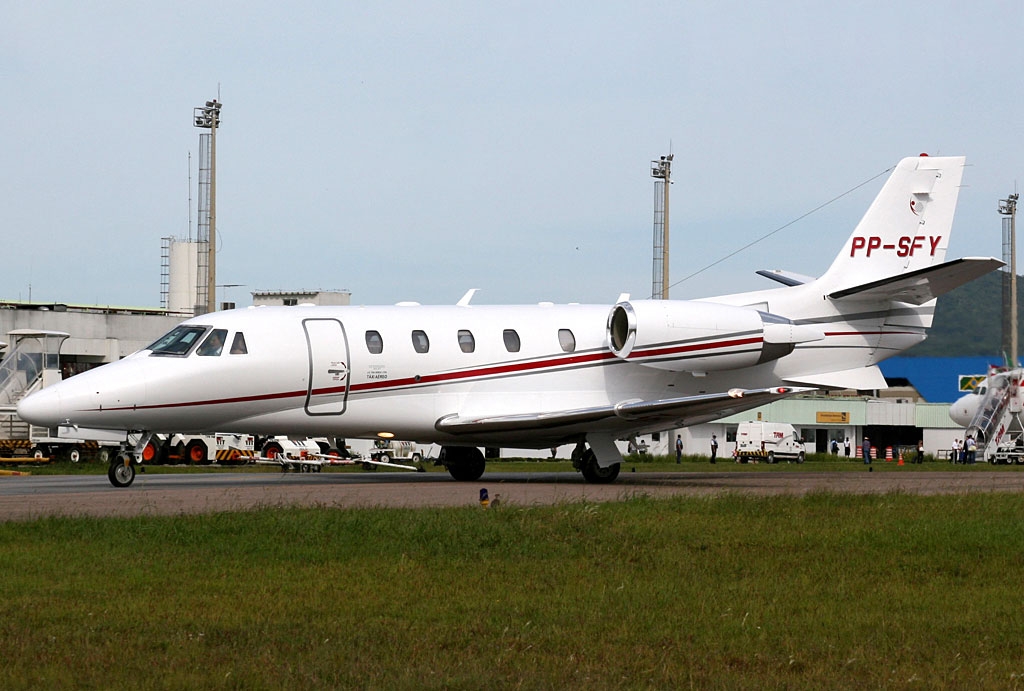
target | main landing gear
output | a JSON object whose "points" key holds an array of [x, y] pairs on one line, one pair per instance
{"points": [[464, 463], [585, 460]]}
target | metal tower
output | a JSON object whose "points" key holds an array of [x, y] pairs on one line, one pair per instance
{"points": [[661, 171], [207, 117], [1008, 209]]}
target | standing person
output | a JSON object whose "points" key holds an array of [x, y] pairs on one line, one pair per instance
{"points": [[714, 448], [846, 447], [954, 451], [679, 449], [972, 449], [920, 451], [835, 447], [866, 449]]}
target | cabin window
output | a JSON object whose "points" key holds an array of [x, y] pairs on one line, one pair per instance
{"points": [[511, 340], [374, 343], [214, 343], [420, 341], [466, 341], [179, 341], [238, 344], [566, 340]]}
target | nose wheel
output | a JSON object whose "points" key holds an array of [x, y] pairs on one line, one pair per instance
{"points": [[122, 471]]}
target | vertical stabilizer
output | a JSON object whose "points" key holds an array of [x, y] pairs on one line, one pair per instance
{"points": [[906, 228]]}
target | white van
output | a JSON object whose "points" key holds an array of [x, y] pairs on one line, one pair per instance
{"points": [[768, 441]]}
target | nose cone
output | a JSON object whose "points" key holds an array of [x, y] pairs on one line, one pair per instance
{"points": [[43, 408], [963, 411]]}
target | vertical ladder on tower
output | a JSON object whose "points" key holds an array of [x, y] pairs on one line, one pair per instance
{"points": [[165, 270]]}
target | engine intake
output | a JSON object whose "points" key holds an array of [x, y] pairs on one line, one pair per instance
{"points": [[684, 336]]}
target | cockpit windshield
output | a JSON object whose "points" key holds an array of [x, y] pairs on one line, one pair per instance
{"points": [[179, 341]]}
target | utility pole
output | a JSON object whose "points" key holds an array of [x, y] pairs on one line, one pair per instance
{"points": [[208, 117], [661, 171], [1008, 209]]}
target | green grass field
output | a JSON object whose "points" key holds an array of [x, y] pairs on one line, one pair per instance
{"points": [[823, 591]]}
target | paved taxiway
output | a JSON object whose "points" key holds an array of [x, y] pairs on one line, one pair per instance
{"points": [[35, 496]]}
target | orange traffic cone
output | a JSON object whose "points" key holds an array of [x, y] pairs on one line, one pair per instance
{"points": [[901, 458]]}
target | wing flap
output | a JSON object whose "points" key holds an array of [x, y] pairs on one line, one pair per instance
{"points": [[689, 408]]}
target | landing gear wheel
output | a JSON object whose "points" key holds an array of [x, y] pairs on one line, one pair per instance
{"points": [[595, 474], [464, 464], [121, 474]]}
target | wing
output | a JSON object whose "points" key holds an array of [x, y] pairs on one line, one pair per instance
{"points": [[624, 416]]}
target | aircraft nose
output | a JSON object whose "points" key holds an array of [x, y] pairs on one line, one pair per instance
{"points": [[42, 408]]}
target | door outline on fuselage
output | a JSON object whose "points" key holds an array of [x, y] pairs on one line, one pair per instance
{"points": [[329, 370]]}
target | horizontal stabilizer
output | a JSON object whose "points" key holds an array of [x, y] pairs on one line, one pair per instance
{"points": [[923, 285], [859, 378], [688, 408], [786, 278]]}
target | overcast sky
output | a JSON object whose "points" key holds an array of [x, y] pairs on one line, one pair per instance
{"points": [[414, 150]]}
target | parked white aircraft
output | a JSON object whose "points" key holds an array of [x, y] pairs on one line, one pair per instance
{"points": [[539, 376]]}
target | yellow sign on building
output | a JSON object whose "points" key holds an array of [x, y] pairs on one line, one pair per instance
{"points": [[830, 416]]}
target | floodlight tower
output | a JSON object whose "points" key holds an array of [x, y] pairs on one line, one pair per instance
{"points": [[207, 117], [1008, 209], [661, 171]]}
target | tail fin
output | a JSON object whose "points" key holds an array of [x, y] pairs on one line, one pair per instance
{"points": [[907, 227]]}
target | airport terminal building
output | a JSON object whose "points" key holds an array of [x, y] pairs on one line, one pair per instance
{"points": [[914, 408]]}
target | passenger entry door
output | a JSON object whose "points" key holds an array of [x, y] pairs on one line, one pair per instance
{"points": [[328, 367]]}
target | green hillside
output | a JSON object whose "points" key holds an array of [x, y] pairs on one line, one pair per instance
{"points": [[968, 320]]}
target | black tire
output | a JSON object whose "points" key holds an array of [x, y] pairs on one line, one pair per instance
{"points": [[771, 457], [197, 453], [595, 474], [121, 474], [800, 457], [74, 454], [272, 450], [103, 455], [465, 464], [383, 458]]}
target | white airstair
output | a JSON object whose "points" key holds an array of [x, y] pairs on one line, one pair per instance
{"points": [[997, 427], [28, 365]]}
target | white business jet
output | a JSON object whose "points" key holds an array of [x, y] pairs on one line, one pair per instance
{"points": [[538, 376]]}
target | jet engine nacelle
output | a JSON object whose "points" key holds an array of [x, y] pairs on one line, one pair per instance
{"points": [[683, 336]]}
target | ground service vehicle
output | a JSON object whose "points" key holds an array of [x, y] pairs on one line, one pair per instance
{"points": [[768, 441]]}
